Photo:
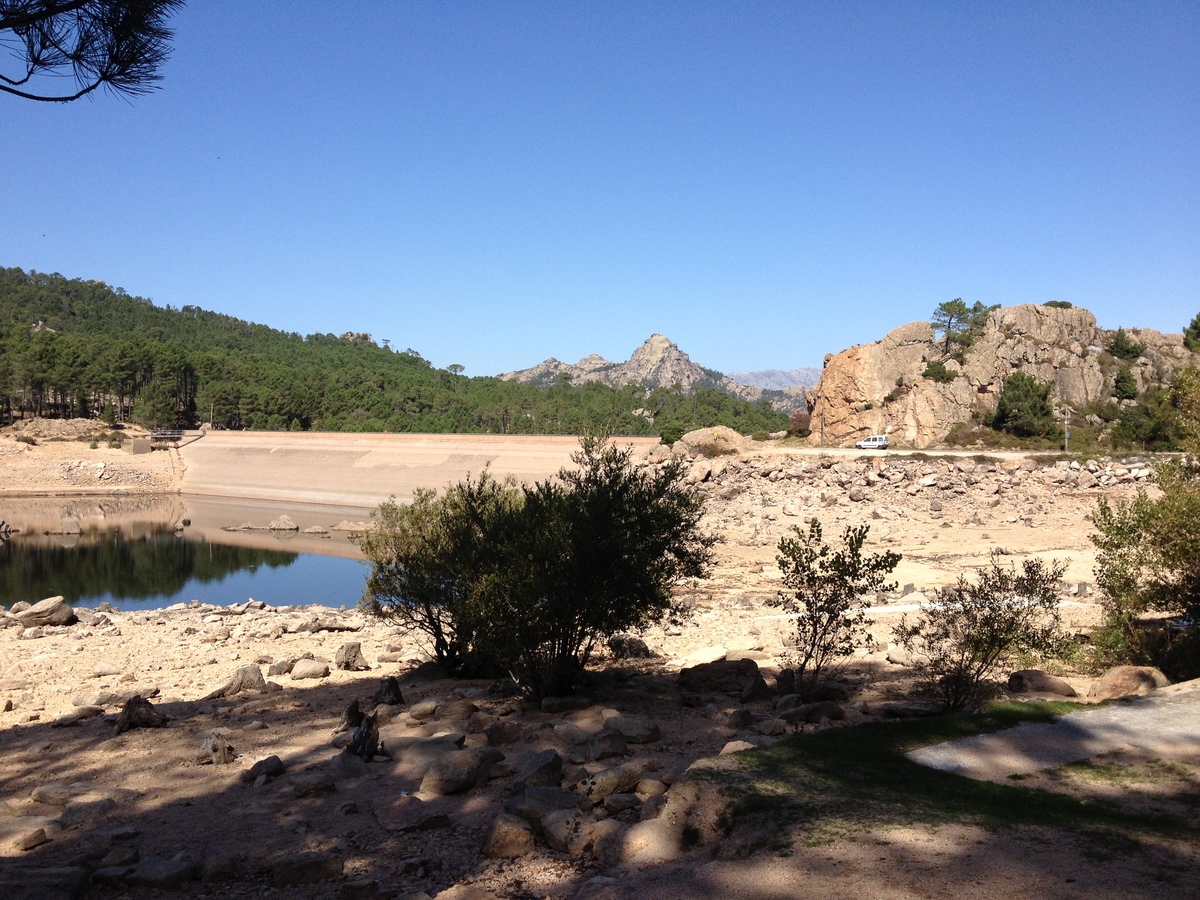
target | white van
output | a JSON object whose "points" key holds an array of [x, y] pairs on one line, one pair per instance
{"points": [[874, 442]]}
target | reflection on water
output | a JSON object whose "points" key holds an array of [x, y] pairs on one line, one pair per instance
{"points": [[152, 567]]}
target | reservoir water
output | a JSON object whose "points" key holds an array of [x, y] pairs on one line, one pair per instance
{"points": [[129, 552]]}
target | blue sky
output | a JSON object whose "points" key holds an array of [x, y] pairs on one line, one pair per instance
{"points": [[495, 183]]}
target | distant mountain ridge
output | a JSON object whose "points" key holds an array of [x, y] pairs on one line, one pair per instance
{"points": [[779, 379], [657, 363]]}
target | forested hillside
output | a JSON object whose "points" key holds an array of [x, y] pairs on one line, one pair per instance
{"points": [[70, 348]]}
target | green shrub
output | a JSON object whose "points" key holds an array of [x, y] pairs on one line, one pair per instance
{"points": [[961, 643], [533, 579], [1125, 385], [1122, 346], [1023, 407], [937, 371], [760, 436], [822, 587], [1191, 335], [1058, 304], [431, 559], [26, 439], [1148, 559]]}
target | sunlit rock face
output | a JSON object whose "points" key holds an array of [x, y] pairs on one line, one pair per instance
{"points": [[878, 388]]}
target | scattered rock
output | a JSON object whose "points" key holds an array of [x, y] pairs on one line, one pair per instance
{"points": [[271, 767], [349, 658], [1036, 681], [309, 668], [247, 678], [139, 713], [543, 769], [456, 772], [388, 693], [510, 837], [619, 779], [567, 831], [163, 873], [51, 611], [628, 646], [1128, 681], [605, 744], [720, 676], [216, 750]]}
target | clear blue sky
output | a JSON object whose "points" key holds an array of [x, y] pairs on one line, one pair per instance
{"points": [[495, 183]]}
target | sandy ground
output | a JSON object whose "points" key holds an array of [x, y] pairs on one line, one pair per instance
{"points": [[145, 794]]}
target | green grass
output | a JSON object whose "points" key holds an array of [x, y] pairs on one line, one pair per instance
{"points": [[1153, 772], [850, 779]]}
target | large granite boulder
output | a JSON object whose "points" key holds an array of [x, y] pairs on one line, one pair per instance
{"points": [[1128, 681], [51, 611]]}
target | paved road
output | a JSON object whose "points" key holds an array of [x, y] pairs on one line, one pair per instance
{"points": [[1165, 723]]}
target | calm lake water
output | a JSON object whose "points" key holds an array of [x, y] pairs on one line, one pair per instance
{"points": [[135, 559]]}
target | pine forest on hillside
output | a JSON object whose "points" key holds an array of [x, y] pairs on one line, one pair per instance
{"points": [[74, 348]]}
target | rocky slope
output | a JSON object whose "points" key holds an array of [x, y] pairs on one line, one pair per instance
{"points": [[878, 388], [657, 363], [779, 379]]}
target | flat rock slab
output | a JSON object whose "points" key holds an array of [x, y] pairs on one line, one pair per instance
{"points": [[1165, 723]]}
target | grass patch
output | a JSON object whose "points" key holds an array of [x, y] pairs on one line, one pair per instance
{"points": [[845, 780], [1105, 772]]}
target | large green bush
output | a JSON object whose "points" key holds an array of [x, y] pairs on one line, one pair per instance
{"points": [[1023, 407], [1125, 385], [431, 561], [533, 579], [1122, 346], [1149, 550]]}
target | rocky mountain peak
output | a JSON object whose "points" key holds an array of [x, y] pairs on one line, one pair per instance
{"points": [[658, 362]]}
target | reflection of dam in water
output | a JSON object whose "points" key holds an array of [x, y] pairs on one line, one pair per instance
{"points": [[128, 551]]}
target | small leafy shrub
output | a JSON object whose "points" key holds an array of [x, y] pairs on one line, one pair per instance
{"points": [[822, 587], [760, 436], [799, 424], [94, 445], [961, 643], [27, 439], [1125, 385], [1122, 346], [1058, 304], [938, 372]]}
